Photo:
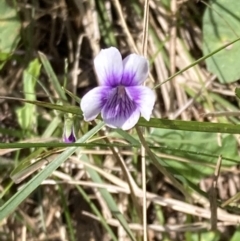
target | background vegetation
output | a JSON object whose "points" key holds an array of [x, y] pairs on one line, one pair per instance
{"points": [[178, 172]]}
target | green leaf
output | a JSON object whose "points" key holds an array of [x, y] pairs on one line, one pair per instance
{"points": [[9, 29], [236, 235], [220, 26], [205, 236], [192, 143], [27, 117]]}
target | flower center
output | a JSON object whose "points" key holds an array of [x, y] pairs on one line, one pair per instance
{"points": [[121, 91], [119, 104]]}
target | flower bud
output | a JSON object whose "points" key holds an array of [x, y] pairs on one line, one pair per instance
{"points": [[69, 131]]}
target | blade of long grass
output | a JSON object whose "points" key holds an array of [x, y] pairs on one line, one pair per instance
{"points": [[14, 201], [161, 168], [143, 150], [153, 122], [57, 144], [97, 212], [190, 125], [52, 77], [64, 108], [30, 186], [197, 62], [67, 214], [109, 200]]}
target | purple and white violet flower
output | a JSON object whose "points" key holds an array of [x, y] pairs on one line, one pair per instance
{"points": [[121, 98]]}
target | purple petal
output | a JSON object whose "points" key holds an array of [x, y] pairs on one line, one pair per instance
{"points": [[69, 130], [109, 67], [120, 111], [135, 70], [144, 99], [69, 139], [92, 103]]}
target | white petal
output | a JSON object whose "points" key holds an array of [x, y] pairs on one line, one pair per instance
{"points": [[92, 103], [144, 98], [109, 67], [135, 70]]}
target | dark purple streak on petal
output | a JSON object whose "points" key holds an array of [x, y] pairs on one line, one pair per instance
{"points": [[118, 108]]}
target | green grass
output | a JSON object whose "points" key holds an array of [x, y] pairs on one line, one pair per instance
{"points": [[92, 189]]}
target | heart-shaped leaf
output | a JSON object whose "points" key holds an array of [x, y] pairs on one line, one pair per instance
{"points": [[221, 23]]}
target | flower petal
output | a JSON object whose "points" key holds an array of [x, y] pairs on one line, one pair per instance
{"points": [[135, 70], [69, 131], [109, 67], [92, 103], [69, 139], [144, 99], [120, 111]]}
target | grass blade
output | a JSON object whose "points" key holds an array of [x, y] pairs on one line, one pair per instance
{"points": [[30, 186]]}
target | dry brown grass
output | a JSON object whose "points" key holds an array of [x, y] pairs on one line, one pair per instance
{"points": [[76, 31]]}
